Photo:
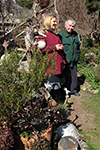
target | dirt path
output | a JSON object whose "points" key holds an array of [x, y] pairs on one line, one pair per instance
{"points": [[78, 113]]}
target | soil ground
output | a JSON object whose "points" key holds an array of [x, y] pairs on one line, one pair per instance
{"points": [[83, 120], [78, 113]]}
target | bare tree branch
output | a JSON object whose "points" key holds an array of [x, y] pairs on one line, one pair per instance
{"points": [[16, 36], [17, 26], [19, 35], [55, 5], [34, 16], [42, 10]]}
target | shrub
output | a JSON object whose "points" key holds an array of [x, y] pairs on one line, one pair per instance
{"points": [[89, 73], [17, 88], [87, 43], [97, 72], [95, 50], [98, 58], [83, 51]]}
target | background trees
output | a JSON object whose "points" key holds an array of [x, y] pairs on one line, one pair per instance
{"points": [[25, 3], [5, 10], [93, 6]]}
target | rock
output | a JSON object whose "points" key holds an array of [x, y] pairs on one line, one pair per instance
{"points": [[87, 86], [68, 143]]}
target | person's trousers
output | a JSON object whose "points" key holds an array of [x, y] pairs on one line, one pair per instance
{"points": [[71, 78]]}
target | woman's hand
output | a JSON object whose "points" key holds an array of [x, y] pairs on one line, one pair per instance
{"points": [[59, 47]]}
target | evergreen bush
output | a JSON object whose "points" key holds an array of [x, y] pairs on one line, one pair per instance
{"points": [[17, 88]]}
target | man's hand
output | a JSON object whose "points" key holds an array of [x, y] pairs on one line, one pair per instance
{"points": [[59, 47]]}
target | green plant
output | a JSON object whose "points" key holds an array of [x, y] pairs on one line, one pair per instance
{"points": [[17, 88], [89, 73], [26, 3], [92, 106], [93, 6], [87, 42], [95, 49], [97, 72], [98, 58], [24, 134], [83, 51]]}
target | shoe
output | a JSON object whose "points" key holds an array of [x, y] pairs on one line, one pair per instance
{"points": [[76, 94]]}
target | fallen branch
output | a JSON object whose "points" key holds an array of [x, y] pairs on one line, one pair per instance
{"points": [[17, 27], [26, 21], [16, 36]]}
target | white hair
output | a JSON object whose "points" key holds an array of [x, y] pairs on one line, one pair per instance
{"points": [[70, 19]]}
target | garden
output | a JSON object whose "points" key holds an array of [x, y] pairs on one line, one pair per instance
{"points": [[27, 121], [24, 111]]}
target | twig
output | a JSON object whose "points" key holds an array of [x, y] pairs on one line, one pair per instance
{"points": [[16, 36], [55, 5], [34, 16], [21, 49], [45, 9], [17, 26]]}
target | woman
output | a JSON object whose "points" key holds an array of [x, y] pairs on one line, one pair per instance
{"points": [[54, 47]]}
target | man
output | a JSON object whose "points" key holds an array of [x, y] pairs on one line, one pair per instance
{"points": [[71, 43]]}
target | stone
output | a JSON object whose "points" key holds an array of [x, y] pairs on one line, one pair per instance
{"points": [[68, 143]]}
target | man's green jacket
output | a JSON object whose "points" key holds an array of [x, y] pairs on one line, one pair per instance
{"points": [[71, 46]]}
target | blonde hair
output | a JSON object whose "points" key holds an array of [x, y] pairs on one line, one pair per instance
{"points": [[47, 22]]}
